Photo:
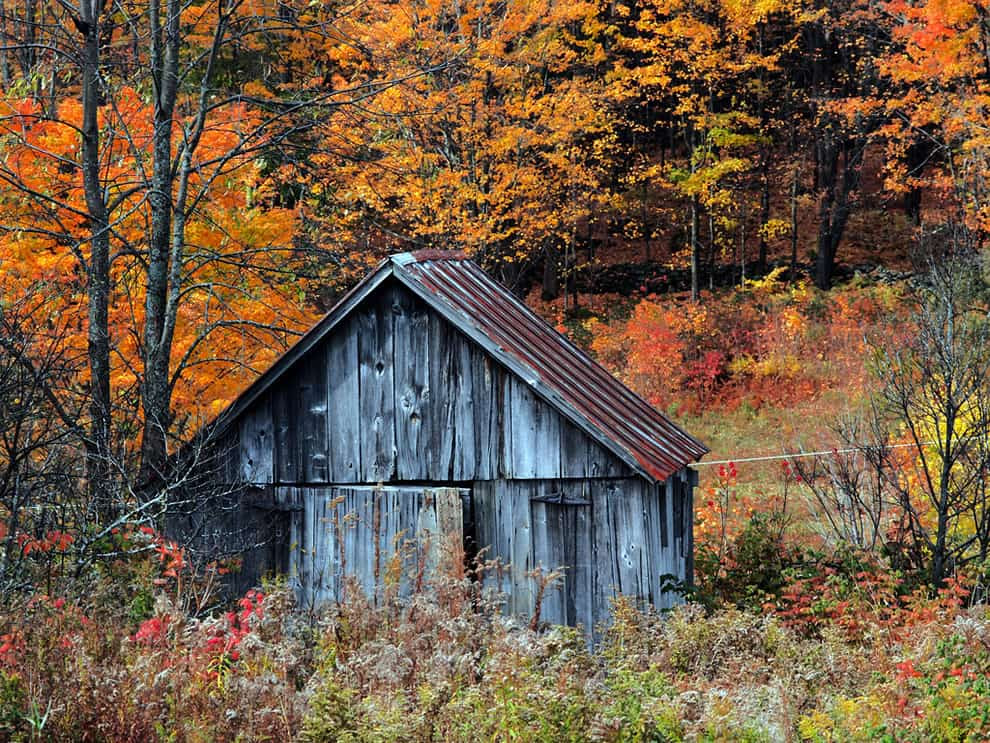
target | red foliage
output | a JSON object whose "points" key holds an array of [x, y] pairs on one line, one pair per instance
{"points": [[153, 632], [768, 342], [870, 600]]}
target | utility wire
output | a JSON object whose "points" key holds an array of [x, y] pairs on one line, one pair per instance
{"points": [[799, 455]]}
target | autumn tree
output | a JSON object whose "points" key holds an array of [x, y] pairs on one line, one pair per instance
{"points": [[496, 152], [913, 479], [937, 386], [694, 86], [936, 68], [143, 175]]}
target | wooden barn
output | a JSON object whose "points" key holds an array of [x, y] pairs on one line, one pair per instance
{"points": [[430, 402]]}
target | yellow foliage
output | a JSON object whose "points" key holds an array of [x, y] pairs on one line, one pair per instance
{"points": [[847, 718], [769, 284]]}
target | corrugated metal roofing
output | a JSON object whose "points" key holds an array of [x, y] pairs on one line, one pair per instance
{"points": [[556, 369]]}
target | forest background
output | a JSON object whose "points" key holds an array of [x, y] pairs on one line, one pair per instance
{"points": [[766, 217]]}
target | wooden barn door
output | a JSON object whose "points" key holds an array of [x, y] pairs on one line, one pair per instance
{"points": [[369, 538]]}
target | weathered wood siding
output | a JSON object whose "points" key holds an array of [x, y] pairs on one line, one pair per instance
{"points": [[241, 523], [607, 536], [373, 536], [397, 394]]}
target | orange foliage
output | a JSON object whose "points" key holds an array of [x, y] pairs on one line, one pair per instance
{"points": [[487, 141], [237, 285], [939, 92], [866, 599]]}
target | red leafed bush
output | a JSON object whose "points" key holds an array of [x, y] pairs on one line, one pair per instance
{"points": [[766, 341]]}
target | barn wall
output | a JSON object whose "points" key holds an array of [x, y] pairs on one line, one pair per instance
{"points": [[240, 524], [610, 537], [619, 536], [397, 394], [368, 538]]}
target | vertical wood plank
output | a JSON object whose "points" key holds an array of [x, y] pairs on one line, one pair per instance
{"points": [[627, 520], [345, 415], [487, 415], [521, 432], [504, 437], [573, 451], [465, 445], [671, 550], [377, 388], [224, 461], [486, 528], [364, 565], [257, 444], [314, 449], [640, 539], [438, 524], [285, 427], [451, 385], [535, 434], [290, 497], [502, 546], [409, 508], [388, 525], [443, 392], [548, 554], [548, 422], [581, 587], [606, 578], [665, 490], [691, 477], [653, 550], [521, 546], [327, 551], [310, 560], [352, 525], [414, 408], [317, 558]]}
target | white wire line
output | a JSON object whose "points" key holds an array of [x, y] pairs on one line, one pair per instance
{"points": [[798, 455]]}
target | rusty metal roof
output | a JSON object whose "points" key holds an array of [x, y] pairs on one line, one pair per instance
{"points": [[553, 366], [557, 370]]}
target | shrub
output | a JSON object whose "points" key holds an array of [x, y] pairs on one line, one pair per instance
{"points": [[846, 653], [13, 703]]}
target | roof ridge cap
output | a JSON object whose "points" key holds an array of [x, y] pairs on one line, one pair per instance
{"points": [[429, 254]]}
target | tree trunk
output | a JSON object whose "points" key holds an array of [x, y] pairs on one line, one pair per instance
{"points": [[742, 246], [794, 225], [156, 397], [836, 201], [917, 155], [712, 257], [4, 41], [940, 551], [694, 249], [98, 453], [761, 263]]}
